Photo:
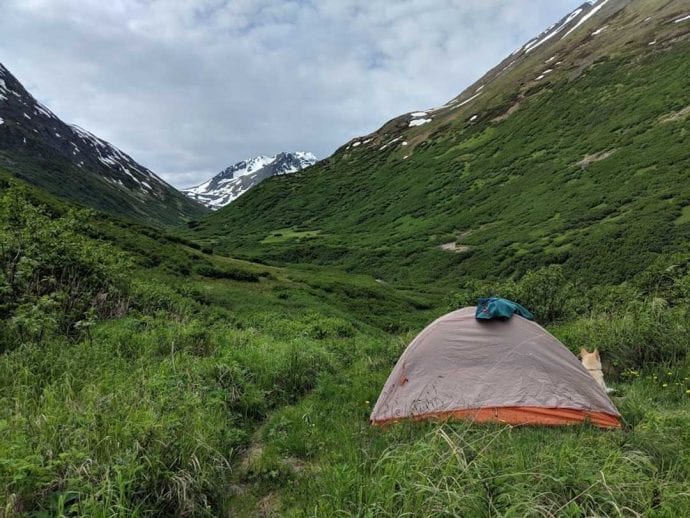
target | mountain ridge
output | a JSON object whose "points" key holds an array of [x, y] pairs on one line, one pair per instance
{"points": [[237, 179], [69, 161], [555, 38]]}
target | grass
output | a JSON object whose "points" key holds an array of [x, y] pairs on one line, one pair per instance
{"points": [[459, 469], [220, 386], [147, 412], [148, 373]]}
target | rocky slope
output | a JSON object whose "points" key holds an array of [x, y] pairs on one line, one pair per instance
{"points": [[71, 162], [232, 182]]}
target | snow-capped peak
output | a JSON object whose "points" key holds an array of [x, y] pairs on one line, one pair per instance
{"points": [[232, 182]]}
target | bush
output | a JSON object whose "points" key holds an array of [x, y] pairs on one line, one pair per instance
{"points": [[52, 277], [227, 273], [546, 292], [642, 334]]}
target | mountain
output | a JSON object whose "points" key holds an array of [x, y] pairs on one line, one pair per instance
{"points": [[237, 179], [72, 163], [574, 150]]}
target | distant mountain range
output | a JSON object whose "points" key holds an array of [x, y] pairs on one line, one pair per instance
{"points": [[73, 163], [234, 181]]}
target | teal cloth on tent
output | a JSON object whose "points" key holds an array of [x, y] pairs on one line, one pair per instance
{"points": [[502, 309]]}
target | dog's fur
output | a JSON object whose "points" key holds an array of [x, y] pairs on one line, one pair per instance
{"points": [[592, 362]]}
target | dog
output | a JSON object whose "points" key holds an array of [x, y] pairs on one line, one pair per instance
{"points": [[592, 362]]}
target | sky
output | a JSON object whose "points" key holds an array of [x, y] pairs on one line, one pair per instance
{"points": [[189, 87]]}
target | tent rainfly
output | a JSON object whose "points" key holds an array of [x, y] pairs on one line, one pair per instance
{"points": [[510, 371]]}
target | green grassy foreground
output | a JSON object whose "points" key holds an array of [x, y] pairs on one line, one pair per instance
{"points": [[321, 459], [142, 375]]}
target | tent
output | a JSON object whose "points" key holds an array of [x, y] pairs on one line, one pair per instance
{"points": [[510, 371]]}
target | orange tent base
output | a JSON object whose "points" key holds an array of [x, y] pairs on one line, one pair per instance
{"points": [[518, 415]]}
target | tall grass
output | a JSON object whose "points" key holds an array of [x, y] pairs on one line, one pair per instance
{"points": [[463, 469], [207, 396]]}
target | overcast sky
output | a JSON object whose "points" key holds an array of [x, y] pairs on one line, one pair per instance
{"points": [[188, 87]]}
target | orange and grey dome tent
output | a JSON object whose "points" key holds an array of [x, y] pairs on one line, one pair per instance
{"points": [[510, 371]]}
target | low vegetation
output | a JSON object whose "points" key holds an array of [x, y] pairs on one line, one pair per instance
{"points": [[139, 375]]}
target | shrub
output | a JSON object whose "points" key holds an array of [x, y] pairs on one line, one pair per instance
{"points": [[234, 274], [546, 292], [642, 334], [52, 277]]}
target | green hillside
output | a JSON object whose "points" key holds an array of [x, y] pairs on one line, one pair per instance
{"points": [[589, 167]]}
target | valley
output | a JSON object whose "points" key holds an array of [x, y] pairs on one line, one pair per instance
{"points": [[218, 352], [583, 171]]}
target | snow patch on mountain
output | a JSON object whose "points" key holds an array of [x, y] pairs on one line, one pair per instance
{"points": [[463, 103], [418, 122], [39, 108], [396, 139], [586, 17], [530, 46], [3, 90], [113, 159], [234, 181]]}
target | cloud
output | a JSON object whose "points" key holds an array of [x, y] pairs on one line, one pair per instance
{"points": [[191, 86]]}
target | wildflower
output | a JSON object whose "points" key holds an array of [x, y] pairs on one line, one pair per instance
{"points": [[665, 385]]}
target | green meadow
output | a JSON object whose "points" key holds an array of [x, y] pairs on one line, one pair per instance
{"points": [[142, 374]]}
